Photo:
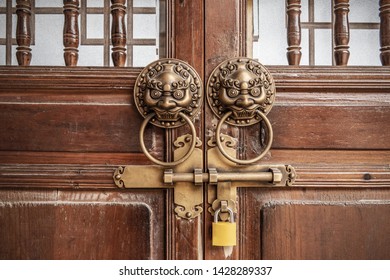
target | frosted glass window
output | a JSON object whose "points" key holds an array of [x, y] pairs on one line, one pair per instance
{"points": [[317, 43], [323, 11], [95, 26], [3, 20], [271, 48], [142, 21], [143, 55], [48, 48], [304, 47], [362, 51], [95, 3], [323, 47], [144, 3], [363, 11], [91, 56], [49, 3], [304, 10], [2, 55], [144, 26]]}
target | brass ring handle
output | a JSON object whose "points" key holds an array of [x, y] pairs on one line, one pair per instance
{"points": [[240, 161], [164, 163]]}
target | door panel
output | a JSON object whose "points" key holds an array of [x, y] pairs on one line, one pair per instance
{"points": [[63, 133], [316, 223], [330, 123], [66, 224]]}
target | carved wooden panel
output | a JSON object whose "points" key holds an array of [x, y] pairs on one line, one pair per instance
{"points": [[343, 230], [51, 224], [315, 223]]}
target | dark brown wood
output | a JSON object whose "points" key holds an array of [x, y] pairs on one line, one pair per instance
{"points": [[315, 223], [341, 32], [293, 10], [187, 29], [344, 230], [384, 31], [118, 32], [224, 39], [71, 32], [23, 32], [69, 224]]}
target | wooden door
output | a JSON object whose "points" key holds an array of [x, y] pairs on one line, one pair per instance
{"points": [[65, 130], [332, 125]]}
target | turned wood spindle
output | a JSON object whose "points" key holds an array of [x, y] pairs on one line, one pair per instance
{"points": [[23, 32], [71, 32], [384, 8], [118, 32], [341, 32], [294, 32]]}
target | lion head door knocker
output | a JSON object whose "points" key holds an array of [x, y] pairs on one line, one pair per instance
{"points": [[168, 94], [241, 92]]}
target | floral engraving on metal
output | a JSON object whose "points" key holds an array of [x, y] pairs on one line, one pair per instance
{"points": [[242, 86], [166, 88]]}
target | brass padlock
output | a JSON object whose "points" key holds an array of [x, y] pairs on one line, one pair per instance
{"points": [[224, 233]]}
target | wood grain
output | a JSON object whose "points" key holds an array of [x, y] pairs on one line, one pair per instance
{"points": [[82, 225], [342, 231]]}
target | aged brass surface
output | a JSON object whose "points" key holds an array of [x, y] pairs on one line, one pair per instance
{"points": [[241, 92], [188, 198], [226, 191], [219, 139], [241, 86], [166, 88], [273, 176], [160, 162]]}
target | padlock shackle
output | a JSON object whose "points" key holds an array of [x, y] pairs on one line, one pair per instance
{"points": [[231, 215]]}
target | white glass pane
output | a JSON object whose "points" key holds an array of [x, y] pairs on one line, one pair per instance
{"points": [[364, 47], [2, 3], [95, 26], [323, 11], [143, 55], [14, 61], [2, 55], [144, 26], [363, 11], [91, 56], [49, 3], [3, 22], [304, 11], [323, 47], [95, 3], [14, 23], [144, 3], [48, 49], [305, 47], [271, 48]]}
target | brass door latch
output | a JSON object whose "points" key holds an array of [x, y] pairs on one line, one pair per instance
{"points": [[169, 94], [275, 175]]}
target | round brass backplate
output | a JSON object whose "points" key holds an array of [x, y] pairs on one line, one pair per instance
{"points": [[241, 86], [168, 87]]}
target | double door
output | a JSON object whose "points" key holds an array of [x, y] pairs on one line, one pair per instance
{"points": [[78, 181]]}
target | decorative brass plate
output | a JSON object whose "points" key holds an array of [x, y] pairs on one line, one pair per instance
{"points": [[166, 88], [242, 86]]}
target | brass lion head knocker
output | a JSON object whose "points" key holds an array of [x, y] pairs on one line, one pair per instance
{"points": [[241, 91], [168, 93]]}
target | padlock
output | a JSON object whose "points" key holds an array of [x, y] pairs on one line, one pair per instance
{"points": [[224, 233]]}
